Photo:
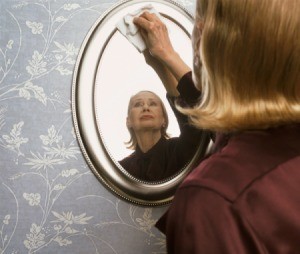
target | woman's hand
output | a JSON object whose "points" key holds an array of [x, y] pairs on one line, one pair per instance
{"points": [[155, 34]]}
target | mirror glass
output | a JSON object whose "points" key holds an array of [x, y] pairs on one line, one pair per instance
{"points": [[126, 72], [108, 72]]}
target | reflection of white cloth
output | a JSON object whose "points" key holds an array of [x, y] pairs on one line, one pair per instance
{"points": [[131, 31]]}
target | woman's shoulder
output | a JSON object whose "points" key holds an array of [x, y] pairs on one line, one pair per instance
{"points": [[246, 157], [128, 159]]}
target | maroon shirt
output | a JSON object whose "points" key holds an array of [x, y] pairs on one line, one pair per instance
{"points": [[244, 198]]}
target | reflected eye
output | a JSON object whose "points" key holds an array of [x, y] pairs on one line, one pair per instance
{"points": [[153, 103], [138, 104]]}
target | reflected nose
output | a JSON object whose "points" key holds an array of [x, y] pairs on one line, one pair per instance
{"points": [[145, 107]]}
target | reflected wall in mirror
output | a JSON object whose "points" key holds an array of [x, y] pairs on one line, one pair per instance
{"points": [[108, 72]]}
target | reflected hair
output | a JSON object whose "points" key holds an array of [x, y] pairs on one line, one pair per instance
{"points": [[131, 144], [246, 63]]}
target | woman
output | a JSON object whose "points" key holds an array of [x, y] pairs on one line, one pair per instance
{"points": [[156, 156], [244, 198]]}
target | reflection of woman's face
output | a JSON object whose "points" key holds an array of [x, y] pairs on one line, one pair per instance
{"points": [[145, 112]]}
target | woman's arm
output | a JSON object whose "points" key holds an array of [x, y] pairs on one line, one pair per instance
{"points": [[172, 67], [169, 81]]}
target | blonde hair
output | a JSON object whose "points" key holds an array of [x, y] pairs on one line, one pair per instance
{"points": [[247, 64], [131, 144]]}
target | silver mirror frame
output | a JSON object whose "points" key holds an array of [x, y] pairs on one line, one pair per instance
{"points": [[90, 140]]}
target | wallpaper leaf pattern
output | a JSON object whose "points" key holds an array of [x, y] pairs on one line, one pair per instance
{"points": [[50, 200]]}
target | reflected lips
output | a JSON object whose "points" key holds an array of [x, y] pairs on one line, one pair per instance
{"points": [[145, 117]]}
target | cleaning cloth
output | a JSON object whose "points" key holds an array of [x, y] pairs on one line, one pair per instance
{"points": [[131, 31]]}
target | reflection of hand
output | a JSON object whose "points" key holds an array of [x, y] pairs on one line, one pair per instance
{"points": [[155, 34]]}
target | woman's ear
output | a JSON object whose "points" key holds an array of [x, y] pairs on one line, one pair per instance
{"points": [[164, 123], [128, 122]]}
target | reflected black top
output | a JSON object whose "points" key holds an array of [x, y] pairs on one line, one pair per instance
{"points": [[168, 156]]}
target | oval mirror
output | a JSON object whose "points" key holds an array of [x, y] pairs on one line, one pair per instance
{"points": [[109, 70]]}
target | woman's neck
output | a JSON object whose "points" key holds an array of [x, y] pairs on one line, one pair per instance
{"points": [[147, 139]]}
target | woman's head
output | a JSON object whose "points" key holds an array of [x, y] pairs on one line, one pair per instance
{"points": [[247, 63], [146, 112]]}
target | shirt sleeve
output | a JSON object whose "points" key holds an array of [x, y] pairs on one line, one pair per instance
{"points": [[201, 221], [188, 96], [190, 137], [188, 92]]}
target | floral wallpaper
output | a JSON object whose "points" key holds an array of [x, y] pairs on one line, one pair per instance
{"points": [[50, 201]]}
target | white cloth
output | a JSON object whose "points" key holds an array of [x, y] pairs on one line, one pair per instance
{"points": [[131, 31]]}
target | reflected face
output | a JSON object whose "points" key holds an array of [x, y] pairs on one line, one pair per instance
{"points": [[145, 112]]}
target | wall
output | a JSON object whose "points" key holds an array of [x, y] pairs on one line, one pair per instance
{"points": [[50, 202]]}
